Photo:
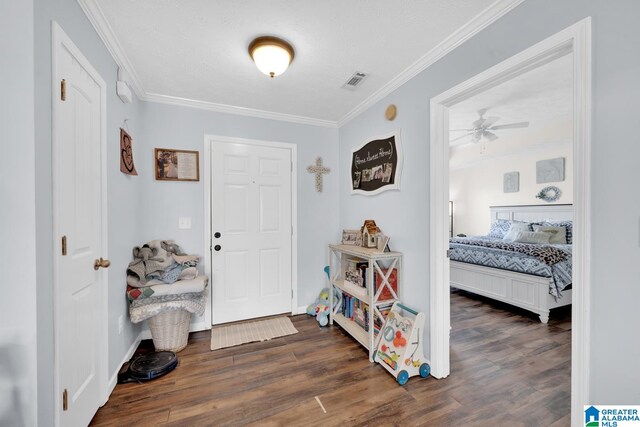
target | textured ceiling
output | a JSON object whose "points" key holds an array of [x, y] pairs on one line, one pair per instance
{"points": [[543, 97], [197, 49]]}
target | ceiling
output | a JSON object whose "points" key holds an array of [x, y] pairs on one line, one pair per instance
{"points": [[543, 97], [195, 52]]}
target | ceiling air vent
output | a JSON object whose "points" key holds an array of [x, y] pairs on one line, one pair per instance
{"points": [[354, 80]]}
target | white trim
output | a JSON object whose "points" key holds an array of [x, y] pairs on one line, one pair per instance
{"points": [[59, 37], [240, 111], [398, 166], [208, 176], [93, 11], [478, 23], [113, 382], [301, 310], [576, 40], [581, 311], [485, 18], [208, 241]]}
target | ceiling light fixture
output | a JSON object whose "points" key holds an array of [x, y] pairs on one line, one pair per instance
{"points": [[271, 55]]}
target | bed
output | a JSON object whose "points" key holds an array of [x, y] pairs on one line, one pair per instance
{"points": [[536, 277]]}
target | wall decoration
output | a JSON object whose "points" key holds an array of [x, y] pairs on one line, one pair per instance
{"points": [[549, 194], [391, 112], [352, 237], [551, 170], [511, 182], [376, 166], [177, 165], [318, 169], [126, 154]]}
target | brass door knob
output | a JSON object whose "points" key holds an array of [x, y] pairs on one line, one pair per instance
{"points": [[104, 263]]}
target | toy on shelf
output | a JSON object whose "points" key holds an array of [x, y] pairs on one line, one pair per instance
{"points": [[399, 348]]}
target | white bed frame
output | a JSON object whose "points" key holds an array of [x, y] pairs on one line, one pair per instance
{"points": [[522, 290]]}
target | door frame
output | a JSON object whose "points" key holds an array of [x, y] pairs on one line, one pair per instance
{"points": [[208, 177], [59, 39], [576, 41]]}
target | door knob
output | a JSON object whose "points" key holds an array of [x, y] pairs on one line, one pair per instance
{"points": [[104, 263], [217, 247]]}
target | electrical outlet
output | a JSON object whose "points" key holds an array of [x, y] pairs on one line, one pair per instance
{"points": [[120, 324]]}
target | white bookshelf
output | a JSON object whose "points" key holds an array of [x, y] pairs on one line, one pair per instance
{"points": [[340, 256]]}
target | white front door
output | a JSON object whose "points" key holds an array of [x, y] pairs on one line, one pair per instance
{"points": [[80, 315], [251, 231]]}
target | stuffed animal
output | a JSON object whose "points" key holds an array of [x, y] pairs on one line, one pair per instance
{"points": [[320, 308], [145, 253]]}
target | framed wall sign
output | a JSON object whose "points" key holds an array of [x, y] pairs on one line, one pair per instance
{"points": [[376, 166], [177, 165]]}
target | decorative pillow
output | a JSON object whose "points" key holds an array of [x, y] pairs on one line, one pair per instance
{"points": [[532, 237], [558, 234], [515, 228], [499, 228], [559, 223]]}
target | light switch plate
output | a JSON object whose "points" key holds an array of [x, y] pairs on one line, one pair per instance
{"points": [[184, 223]]}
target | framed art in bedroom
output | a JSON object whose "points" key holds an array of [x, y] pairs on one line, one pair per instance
{"points": [[177, 165]]}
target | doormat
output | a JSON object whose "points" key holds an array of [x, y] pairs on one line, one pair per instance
{"points": [[242, 333]]}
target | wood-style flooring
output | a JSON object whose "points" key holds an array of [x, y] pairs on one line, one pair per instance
{"points": [[507, 369]]}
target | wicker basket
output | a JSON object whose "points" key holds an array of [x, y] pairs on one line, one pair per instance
{"points": [[170, 330]]}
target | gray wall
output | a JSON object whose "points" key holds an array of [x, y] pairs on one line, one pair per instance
{"points": [[615, 374], [18, 341], [123, 191], [163, 203]]}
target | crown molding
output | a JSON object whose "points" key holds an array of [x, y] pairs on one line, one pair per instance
{"points": [[96, 16], [106, 33], [232, 109], [485, 18]]}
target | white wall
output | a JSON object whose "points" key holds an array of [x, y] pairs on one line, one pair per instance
{"points": [[615, 373], [162, 203], [18, 341], [476, 187]]}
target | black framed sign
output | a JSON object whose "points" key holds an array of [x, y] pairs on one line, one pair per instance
{"points": [[376, 166]]}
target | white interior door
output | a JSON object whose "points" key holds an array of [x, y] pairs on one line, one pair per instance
{"points": [[80, 322], [251, 211]]}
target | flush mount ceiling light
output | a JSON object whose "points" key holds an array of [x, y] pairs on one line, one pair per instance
{"points": [[271, 55]]}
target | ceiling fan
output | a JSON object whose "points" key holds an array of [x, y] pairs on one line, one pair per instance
{"points": [[483, 127]]}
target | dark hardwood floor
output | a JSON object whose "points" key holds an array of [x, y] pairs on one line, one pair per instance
{"points": [[507, 369]]}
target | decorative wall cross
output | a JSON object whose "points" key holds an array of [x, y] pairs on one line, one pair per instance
{"points": [[318, 169]]}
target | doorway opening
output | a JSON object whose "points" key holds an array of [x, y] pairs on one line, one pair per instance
{"points": [[575, 42]]}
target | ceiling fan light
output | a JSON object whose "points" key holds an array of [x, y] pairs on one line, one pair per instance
{"points": [[271, 55]]}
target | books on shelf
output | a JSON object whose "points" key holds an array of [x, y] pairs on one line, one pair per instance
{"points": [[358, 311], [355, 273]]}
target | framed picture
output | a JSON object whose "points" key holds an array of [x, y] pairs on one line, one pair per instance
{"points": [[352, 237], [383, 242], [177, 165], [551, 170], [511, 182], [376, 165]]}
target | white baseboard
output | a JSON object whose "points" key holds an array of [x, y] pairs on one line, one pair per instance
{"points": [[113, 381], [301, 310], [193, 327]]}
